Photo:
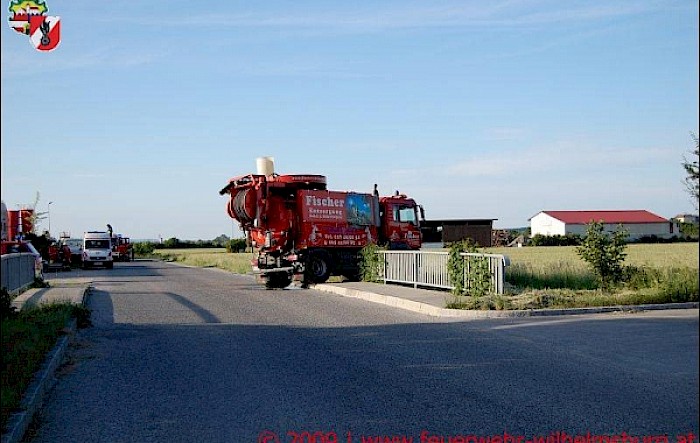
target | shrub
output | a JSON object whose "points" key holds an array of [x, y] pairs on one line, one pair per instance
{"points": [[370, 263], [478, 274], [555, 240], [6, 308], [673, 284], [144, 248], [236, 245], [604, 253], [689, 230]]}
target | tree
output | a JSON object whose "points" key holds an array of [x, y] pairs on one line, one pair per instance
{"points": [[692, 183], [604, 253], [36, 217], [221, 241], [171, 243]]}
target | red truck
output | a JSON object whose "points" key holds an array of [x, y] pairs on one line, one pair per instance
{"points": [[298, 227], [16, 225], [122, 248]]}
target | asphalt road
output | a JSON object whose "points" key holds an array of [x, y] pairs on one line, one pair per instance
{"points": [[199, 355]]}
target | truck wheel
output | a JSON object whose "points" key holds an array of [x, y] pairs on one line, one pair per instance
{"points": [[318, 268], [278, 280]]}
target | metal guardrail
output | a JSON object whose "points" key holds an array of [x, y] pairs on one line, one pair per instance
{"points": [[424, 268], [17, 271]]}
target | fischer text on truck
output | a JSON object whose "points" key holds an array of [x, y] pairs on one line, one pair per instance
{"points": [[298, 227]]}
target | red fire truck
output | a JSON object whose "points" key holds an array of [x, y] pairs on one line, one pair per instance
{"points": [[298, 227], [122, 248]]}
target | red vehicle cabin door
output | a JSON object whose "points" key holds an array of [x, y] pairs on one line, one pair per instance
{"points": [[401, 226]]}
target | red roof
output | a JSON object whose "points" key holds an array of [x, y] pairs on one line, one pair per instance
{"points": [[608, 217]]}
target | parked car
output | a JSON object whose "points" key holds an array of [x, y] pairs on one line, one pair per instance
{"points": [[76, 249]]}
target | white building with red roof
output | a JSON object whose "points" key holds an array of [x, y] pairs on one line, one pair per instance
{"points": [[638, 223]]}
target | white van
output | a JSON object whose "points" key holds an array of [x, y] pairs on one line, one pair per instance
{"points": [[97, 249]]}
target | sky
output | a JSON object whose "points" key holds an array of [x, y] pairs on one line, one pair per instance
{"points": [[476, 109]]}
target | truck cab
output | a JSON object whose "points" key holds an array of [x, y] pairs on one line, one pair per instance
{"points": [[122, 249], [400, 227]]}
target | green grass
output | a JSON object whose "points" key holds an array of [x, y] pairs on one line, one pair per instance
{"points": [[654, 255], [238, 263], [555, 276], [26, 339], [568, 298]]}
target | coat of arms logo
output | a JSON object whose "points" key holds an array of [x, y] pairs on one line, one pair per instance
{"points": [[29, 17]]}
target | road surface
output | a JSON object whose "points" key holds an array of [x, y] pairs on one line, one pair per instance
{"points": [[181, 354]]}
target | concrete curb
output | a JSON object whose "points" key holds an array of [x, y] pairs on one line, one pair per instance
{"points": [[43, 380], [434, 311], [21, 289]]}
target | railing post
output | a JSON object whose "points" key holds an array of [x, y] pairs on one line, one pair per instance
{"points": [[499, 276], [415, 269]]}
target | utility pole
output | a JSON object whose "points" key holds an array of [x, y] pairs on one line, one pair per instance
{"points": [[49, 215]]}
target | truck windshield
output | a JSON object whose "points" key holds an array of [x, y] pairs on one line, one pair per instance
{"points": [[405, 214], [97, 244]]}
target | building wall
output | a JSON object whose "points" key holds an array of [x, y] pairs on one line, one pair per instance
{"points": [[635, 230], [545, 224], [688, 218], [479, 234], [448, 231]]}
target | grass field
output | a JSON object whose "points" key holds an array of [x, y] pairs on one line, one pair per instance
{"points": [[238, 263], [26, 339], [678, 255]]}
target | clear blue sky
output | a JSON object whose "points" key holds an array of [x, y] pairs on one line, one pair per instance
{"points": [[477, 109]]}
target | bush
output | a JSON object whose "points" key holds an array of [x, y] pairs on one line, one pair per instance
{"points": [[144, 248], [478, 280], [689, 230], [673, 284], [647, 239], [6, 308], [604, 253], [555, 240], [370, 263], [236, 245]]}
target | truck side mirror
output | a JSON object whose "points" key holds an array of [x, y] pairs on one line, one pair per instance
{"points": [[422, 212]]}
